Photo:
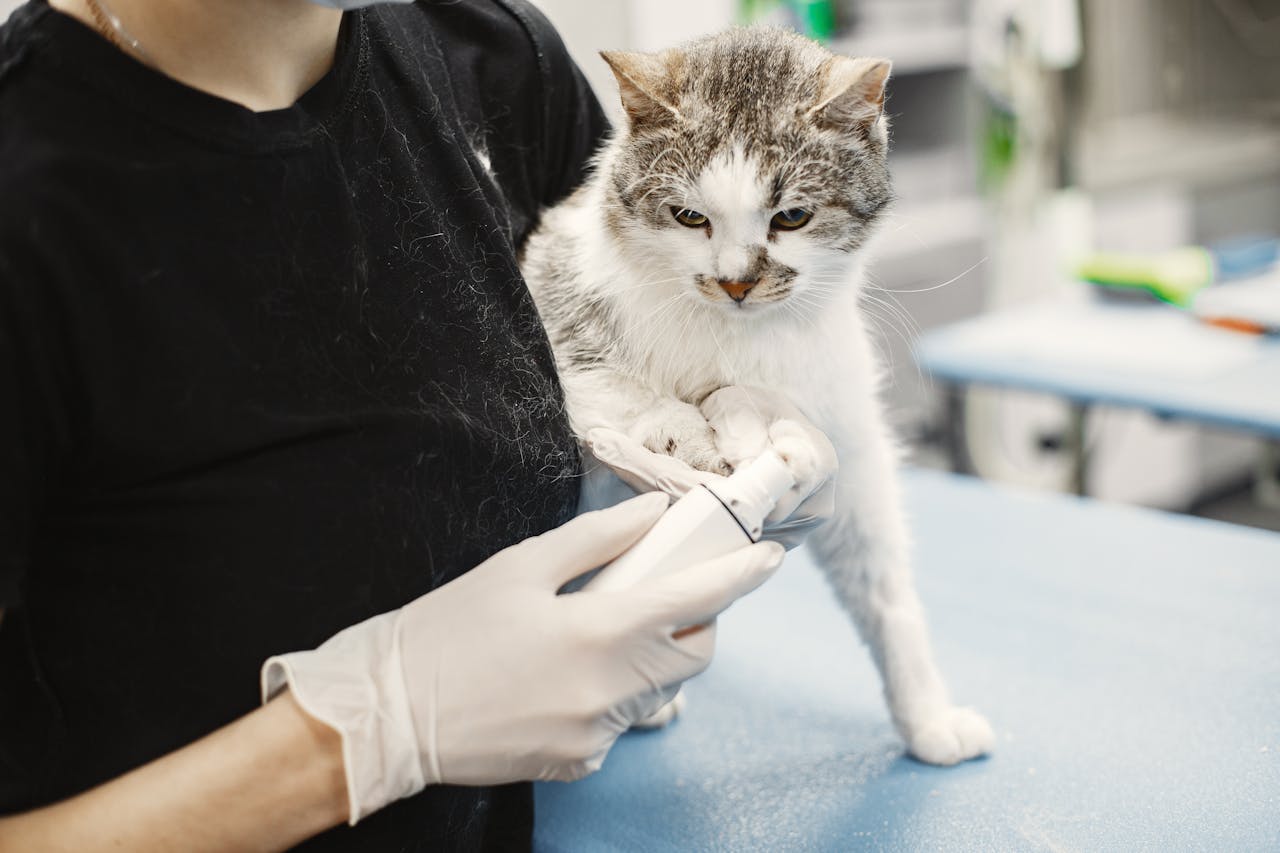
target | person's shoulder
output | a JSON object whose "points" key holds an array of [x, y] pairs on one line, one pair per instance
{"points": [[22, 37], [41, 166], [20, 33], [513, 77], [42, 163], [35, 128], [513, 37], [538, 30]]}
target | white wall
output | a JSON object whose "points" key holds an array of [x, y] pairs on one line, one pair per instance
{"points": [[590, 26]]}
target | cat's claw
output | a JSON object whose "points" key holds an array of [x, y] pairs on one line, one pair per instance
{"points": [[691, 440], [951, 736]]}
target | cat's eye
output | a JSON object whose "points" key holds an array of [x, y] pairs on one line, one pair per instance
{"points": [[689, 218], [790, 220]]}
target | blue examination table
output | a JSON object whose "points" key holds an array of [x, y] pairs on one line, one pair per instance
{"points": [[1128, 659]]}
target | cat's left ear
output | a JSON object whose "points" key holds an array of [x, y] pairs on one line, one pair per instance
{"points": [[851, 94], [646, 84]]}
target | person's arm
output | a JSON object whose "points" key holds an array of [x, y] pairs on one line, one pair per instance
{"points": [[265, 782]]}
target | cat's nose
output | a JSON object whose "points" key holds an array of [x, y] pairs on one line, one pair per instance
{"points": [[737, 290]]}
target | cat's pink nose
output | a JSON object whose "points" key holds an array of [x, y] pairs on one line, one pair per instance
{"points": [[737, 290]]}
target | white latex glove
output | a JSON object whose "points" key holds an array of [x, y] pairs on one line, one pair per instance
{"points": [[746, 421], [495, 678]]}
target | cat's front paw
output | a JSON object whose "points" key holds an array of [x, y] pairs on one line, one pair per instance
{"points": [[951, 736], [809, 456], [748, 421], [681, 431]]}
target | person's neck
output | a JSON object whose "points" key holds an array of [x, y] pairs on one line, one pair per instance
{"points": [[263, 54]]}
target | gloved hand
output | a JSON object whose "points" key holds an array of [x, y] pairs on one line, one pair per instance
{"points": [[746, 420], [495, 678]]}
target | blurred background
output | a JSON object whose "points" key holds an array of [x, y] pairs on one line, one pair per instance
{"points": [[1080, 184]]}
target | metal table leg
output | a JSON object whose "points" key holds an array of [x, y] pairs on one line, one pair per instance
{"points": [[1079, 452], [953, 430]]}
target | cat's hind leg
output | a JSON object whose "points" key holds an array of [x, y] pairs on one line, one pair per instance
{"points": [[664, 715]]}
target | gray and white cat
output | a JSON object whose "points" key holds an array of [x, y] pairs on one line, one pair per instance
{"points": [[717, 242]]}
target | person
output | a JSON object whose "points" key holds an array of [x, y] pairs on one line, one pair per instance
{"points": [[271, 382]]}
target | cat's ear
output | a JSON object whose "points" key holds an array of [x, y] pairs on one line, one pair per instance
{"points": [[851, 93], [647, 86]]}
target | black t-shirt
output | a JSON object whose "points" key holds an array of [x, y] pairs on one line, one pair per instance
{"points": [[265, 375]]}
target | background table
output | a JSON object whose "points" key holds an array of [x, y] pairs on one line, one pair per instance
{"points": [[1145, 356], [1128, 659]]}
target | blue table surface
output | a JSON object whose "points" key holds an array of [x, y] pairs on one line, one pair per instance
{"points": [[1128, 659], [987, 350]]}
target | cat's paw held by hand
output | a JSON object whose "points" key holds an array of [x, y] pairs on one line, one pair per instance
{"points": [[686, 435], [951, 736]]}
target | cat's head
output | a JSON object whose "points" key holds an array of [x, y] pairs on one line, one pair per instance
{"points": [[752, 166]]}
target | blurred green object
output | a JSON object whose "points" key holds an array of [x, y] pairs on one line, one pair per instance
{"points": [[1175, 276], [751, 11], [999, 145], [813, 18]]}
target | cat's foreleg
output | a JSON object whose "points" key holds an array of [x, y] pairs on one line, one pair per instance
{"points": [[864, 551], [604, 398]]}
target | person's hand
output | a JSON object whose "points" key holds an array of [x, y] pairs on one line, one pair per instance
{"points": [[746, 421], [495, 678]]}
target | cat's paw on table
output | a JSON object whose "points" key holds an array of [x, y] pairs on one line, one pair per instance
{"points": [[952, 735], [664, 715]]}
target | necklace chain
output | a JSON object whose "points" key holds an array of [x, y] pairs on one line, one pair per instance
{"points": [[111, 28]]}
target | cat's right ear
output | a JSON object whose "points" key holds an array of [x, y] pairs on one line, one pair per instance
{"points": [[646, 84], [851, 97]]}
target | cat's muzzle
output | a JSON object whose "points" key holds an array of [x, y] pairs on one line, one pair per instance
{"points": [[737, 290]]}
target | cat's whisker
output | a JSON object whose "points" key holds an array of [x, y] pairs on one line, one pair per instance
{"points": [[899, 319], [949, 281], [891, 304], [727, 372], [903, 222], [796, 309], [664, 182], [892, 318], [663, 306], [666, 368], [878, 339], [663, 154], [640, 285], [893, 310], [915, 331], [671, 179], [874, 287], [665, 201]]}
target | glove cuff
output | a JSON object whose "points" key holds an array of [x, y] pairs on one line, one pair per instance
{"points": [[353, 684]]}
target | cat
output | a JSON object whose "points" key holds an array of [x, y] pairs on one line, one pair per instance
{"points": [[718, 241]]}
